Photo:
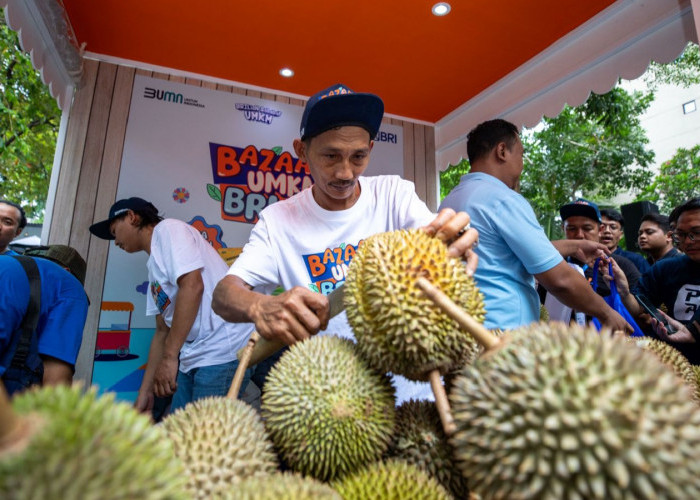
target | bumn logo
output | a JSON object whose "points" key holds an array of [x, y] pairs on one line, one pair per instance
{"points": [[162, 95]]}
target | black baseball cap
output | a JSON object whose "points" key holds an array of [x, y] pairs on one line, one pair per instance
{"points": [[101, 229], [580, 207], [339, 106]]}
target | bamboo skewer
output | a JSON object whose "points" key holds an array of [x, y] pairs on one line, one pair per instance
{"points": [[243, 362], [467, 323], [463, 318]]}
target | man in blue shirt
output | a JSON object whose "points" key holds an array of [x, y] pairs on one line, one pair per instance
{"points": [[12, 222], [513, 249], [54, 345]]}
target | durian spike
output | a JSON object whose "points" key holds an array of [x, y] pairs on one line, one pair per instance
{"points": [[15, 432], [243, 362], [464, 319], [442, 403]]}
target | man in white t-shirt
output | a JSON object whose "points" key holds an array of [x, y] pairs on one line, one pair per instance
{"points": [[183, 269], [305, 243]]}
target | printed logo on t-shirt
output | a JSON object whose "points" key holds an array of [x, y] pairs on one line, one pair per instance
{"points": [[687, 302], [159, 297], [328, 269]]}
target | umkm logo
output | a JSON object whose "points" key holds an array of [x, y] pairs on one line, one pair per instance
{"points": [[162, 95]]}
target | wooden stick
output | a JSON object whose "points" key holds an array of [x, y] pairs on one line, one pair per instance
{"points": [[465, 320], [263, 349], [243, 362], [442, 403]]}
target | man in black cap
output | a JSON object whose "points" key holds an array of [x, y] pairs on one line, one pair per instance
{"points": [[305, 243], [193, 351], [582, 221], [44, 308]]}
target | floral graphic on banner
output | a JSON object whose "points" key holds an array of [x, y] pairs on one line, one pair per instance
{"points": [[181, 195]]}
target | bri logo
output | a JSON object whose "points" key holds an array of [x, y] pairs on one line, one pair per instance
{"points": [[255, 113]]}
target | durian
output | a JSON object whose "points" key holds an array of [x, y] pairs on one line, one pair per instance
{"points": [[419, 439], [222, 441], [327, 412], [563, 412], [397, 327], [671, 357], [392, 480], [89, 447], [283, 486]]}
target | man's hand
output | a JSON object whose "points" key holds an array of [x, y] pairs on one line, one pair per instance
{"points": [[616, 322], [144, 401], [291, 316], [165, 378], [682, 335], [582, 250], [453, 228]]}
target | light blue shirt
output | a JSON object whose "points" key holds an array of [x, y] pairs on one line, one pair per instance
{"points": [[512, 248]]}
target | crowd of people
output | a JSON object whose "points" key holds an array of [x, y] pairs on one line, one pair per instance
{"points": [[205, 311]]}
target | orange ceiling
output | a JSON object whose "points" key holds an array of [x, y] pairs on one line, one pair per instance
{"points": [[423, 66]]}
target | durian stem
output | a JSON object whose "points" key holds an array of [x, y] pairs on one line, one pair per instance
{"points": [[442, 403], [243, 361], [465, 320]]}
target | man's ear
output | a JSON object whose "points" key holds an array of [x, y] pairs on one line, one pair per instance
{"points": [[501, 150], [134, 218], [300, 149]]}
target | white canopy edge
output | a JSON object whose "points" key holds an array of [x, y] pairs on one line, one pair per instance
{"points": [[619, 42], [24, 17]]}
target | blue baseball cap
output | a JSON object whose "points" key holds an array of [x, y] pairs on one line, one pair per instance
{"points": [[582, 207], [339, 106], [101, 229]]}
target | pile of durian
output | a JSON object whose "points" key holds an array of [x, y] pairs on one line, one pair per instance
{"points": [[551, 411]]}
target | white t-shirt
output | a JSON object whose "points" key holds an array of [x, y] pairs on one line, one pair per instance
{"points": [[298, 243], [177, 249]]}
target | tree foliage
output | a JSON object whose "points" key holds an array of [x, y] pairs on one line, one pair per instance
{"points": [[29, 122], [677, 181], [684, 71], [450, 177], [596, 150]]}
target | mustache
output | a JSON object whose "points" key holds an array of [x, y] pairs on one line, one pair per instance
{"points": [[342, 184]]}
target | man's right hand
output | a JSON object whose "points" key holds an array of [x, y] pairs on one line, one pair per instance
{"points": [[616, 322], [291, 316]]}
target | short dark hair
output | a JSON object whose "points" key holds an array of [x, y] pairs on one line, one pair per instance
{"points": [[658, 219], [22, 215], [613, 214], [486, 136], [691, 204]]}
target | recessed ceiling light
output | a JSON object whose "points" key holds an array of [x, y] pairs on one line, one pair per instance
{"points": [[441, 9], [286, 72]]}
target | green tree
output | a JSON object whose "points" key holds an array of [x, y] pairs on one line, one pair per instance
{"points": [[684, 71], [594, 150], [29, 122], [677, 181], [449, 177]]}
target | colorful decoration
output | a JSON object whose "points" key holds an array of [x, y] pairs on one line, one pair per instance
{"points": [[210, 232], [142, 288], [181, 195]]}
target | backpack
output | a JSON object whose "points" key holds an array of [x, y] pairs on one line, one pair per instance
{"points": [[19, 375]]}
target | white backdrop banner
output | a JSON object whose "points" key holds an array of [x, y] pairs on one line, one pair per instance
{"points": [[213, 159]]}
